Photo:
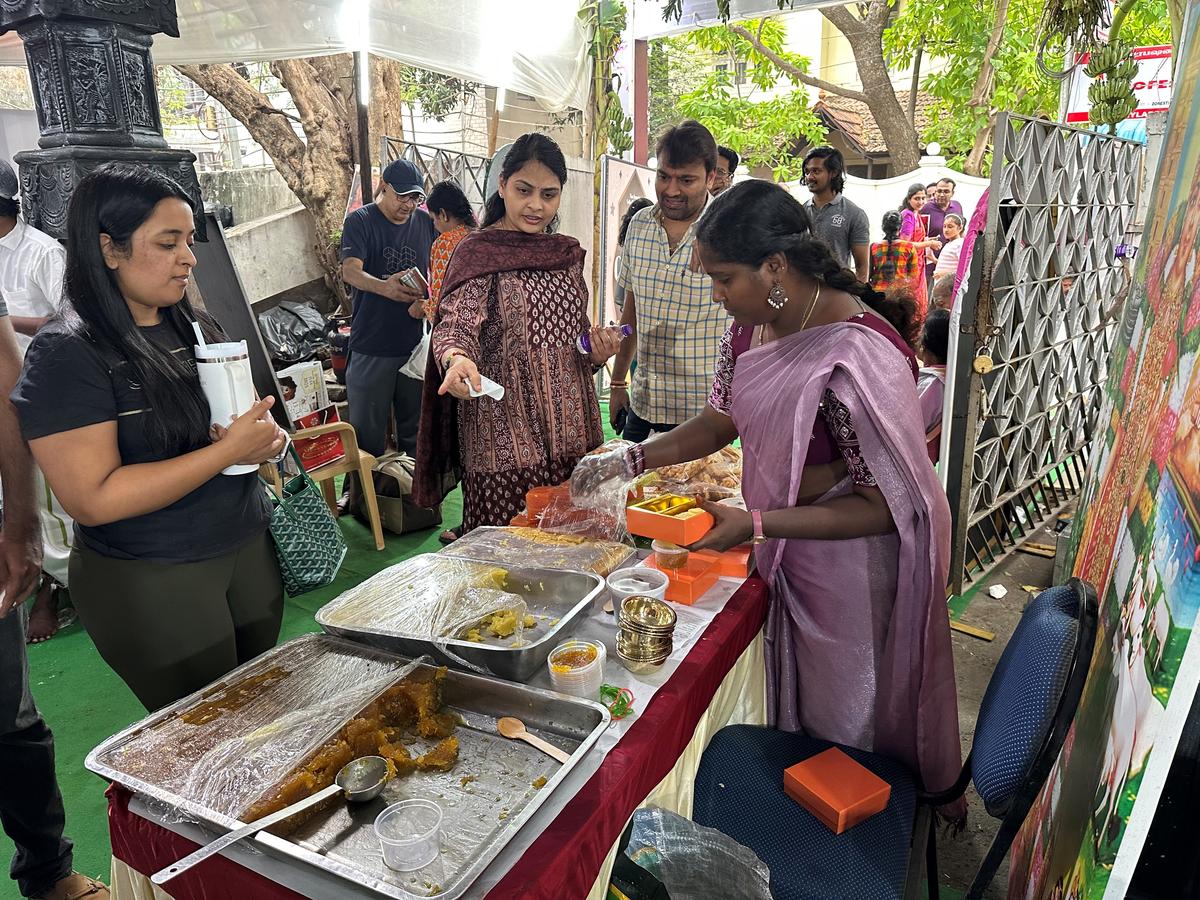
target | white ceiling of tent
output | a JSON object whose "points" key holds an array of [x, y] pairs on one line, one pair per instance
{"points": [[542, 50]]}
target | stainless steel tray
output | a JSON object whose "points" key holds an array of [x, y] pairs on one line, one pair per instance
{"points": [[561, 600], [486, 798]]}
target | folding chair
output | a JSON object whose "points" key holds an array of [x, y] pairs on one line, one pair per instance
{"points": [[1030, 704]]}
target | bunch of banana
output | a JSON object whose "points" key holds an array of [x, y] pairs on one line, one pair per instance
{"points": [[1111, 94], [1106, 57]]}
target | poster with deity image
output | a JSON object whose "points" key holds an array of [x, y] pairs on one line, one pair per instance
{"points": [[1137, 539]]}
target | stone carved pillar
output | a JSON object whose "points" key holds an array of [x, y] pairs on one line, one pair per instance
{"points": [[93, 86]]}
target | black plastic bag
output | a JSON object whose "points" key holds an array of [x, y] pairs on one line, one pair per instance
{"points": [[293, 332]]}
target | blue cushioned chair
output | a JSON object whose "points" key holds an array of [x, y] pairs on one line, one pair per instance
{"points": [[1023, 720]]}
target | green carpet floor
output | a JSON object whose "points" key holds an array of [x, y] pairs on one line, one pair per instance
{"points": [[84, 702]]}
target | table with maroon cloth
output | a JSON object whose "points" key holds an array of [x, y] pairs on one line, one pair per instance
{"points": [[565, 859]]}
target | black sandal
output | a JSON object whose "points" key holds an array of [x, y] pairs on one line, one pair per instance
{"points": [[450, 535]]}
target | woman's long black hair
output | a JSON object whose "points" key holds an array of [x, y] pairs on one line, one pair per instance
{"points": [[116, 199], [449, 198], [891, 231], [754, 219], [532, 147]]}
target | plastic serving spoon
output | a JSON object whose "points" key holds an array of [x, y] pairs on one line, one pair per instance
{"points": [[514, 729], [360, 780]]}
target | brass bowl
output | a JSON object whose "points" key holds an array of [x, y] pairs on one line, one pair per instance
{"points": [[647, 614], [639, 666], [634, 649]]}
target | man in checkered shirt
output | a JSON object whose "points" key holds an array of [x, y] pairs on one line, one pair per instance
{"points": [[677, 326]]}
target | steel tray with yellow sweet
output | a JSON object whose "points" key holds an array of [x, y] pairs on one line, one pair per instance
{"points": [[467, 613], [279, 728]]}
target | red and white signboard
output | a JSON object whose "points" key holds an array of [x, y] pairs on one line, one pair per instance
{"points": [[1151, 86]]}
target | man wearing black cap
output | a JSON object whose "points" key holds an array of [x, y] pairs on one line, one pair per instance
{"points": [[381, 243]]}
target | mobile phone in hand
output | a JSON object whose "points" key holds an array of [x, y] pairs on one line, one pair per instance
{"points": [[622, 420]]}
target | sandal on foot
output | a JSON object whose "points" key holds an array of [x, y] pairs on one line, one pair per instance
{"points": [[43, 617], [450, 535]]}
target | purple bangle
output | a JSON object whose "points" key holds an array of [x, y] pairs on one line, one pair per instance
{"points": [[635, 461]]}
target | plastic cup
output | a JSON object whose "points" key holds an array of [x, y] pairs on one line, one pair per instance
{"points": [[669, 556], [410, 834], [638, 581], [577, 668]]}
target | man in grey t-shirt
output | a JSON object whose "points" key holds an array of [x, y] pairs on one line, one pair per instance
{"points": [[837, 221]]}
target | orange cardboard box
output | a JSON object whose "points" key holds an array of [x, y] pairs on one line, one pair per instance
{"points": [[735, 563], [836, 789], [669, 518], [690, 582]]}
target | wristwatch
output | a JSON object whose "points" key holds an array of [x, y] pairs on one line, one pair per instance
{"points": [[759, 537]]}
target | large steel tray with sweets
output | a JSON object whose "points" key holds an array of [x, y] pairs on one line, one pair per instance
{"points": [[486, 617], [273, 729]]}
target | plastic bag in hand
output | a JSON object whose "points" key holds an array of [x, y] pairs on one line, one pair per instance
{"points": [[599, 473]]}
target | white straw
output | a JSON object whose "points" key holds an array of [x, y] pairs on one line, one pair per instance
{"points": [[199, 335]]}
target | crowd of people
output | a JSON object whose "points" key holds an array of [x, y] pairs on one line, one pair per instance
{"points": [[749, 316]]}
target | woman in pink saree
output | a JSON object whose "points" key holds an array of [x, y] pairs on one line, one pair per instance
{"points": [[851, 525]]}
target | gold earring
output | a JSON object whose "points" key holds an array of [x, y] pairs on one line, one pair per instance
{"points": [[777, 298]]}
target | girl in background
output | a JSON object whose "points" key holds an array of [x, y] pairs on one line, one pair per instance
{"points": [[454, 220], [895, 263]]}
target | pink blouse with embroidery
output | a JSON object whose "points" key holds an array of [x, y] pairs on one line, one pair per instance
{"points": [[833, 433]]}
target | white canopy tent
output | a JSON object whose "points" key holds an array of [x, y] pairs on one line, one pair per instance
{"points": [[539, 47]]}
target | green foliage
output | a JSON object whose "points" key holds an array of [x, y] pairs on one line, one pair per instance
{"points": [[954, 33], [606, 20], [439, 95], [674, 69], [1146, 24], [172, 97], [766, 116]]}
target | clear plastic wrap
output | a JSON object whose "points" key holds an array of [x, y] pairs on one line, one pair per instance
{"points": [[715, 477], [247, 734], [542, 549], [693, 861], [438, 598]]}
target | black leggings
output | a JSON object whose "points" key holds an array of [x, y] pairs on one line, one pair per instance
{"points": [[171, 629]]}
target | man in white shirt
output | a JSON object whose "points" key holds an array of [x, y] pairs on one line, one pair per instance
{"points": [[31, 283]]}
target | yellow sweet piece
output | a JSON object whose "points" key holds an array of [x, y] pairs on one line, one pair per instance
{"points": [[496, 579], [530, 622], [503, 623], [474, 636]]}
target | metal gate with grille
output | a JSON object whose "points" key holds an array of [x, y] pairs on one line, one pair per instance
{"points": [[469, 172], [1042, 292]]}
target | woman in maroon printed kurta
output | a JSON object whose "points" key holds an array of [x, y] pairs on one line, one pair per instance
{"points": [[513, 304]]}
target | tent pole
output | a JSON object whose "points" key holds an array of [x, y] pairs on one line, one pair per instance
{"points": [[362, 75]]}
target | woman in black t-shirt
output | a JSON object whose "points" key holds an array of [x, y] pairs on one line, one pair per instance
{"points": [[173, 573]]}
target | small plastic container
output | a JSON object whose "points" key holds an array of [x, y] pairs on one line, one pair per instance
{"points": [[669, 556], [577, 668], [638, 581], [410, 833]]}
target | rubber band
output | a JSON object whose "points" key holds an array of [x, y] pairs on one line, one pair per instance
{"points": [[619, 701]]}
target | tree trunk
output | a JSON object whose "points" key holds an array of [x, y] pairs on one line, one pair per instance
{"points": [[865, 37], [318, 167], [983, 140]]}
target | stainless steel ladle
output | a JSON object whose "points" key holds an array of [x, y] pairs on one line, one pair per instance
{"points": [[361, 780]]}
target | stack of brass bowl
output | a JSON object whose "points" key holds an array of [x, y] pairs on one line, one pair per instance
{"points": [[644, 638]]}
